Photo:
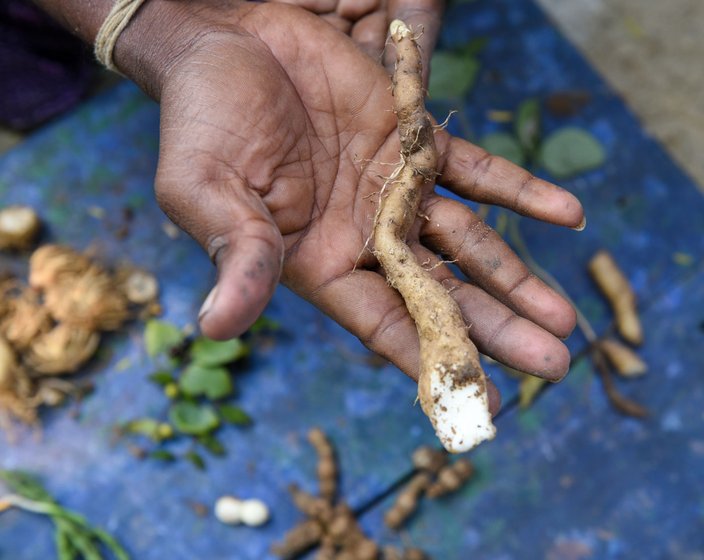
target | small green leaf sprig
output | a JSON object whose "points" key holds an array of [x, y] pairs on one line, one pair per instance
{"points": [[195, 376], [75, 537]]}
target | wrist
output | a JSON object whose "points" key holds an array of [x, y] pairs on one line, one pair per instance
{"points": [[163, 32]]}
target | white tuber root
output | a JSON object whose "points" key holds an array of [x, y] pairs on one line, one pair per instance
{"points": [[452, 384]]}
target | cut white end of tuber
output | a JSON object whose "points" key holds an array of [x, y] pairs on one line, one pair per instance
{"points": [[460, 414], [398, 28]]}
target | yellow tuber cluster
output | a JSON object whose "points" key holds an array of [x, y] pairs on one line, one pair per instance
{"points": [[52, 326]]}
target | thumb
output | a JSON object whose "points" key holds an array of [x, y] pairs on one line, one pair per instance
{"points": [[232, 223]]}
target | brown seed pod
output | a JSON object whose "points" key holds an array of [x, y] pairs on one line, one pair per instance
{"points": [[327, 464], [451, 478], [299, 539], [88, 301], [61, 350], [50, 263], [311, 506], [407, 501], [19, 226]]}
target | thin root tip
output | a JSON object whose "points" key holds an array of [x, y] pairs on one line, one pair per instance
{"points": [[398, 29]]}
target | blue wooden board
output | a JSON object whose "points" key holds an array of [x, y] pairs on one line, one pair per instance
{"points": [[567, 479]]}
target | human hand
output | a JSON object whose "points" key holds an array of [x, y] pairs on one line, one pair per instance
{"points": [[367, 23], [276, 134]]}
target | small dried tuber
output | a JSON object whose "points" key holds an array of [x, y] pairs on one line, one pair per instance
{"points": [[19, 226], [407, 501], [327, 465], [624, 360], [25, 318], [15, 386], [89, 300], [303, 536], [50, 263], [451, 478], [614, 284], [429, 459], [61, 350]]}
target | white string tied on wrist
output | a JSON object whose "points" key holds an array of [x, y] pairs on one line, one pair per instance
{"points": [[120, 15]]}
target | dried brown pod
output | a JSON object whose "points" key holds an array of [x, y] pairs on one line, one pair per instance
{"points": [[299, 539], [24, 319], [624, 360], [50, 263], [19, 227], [327, 465], [407, 501], [451, 478], [614, 284], [61, 350], [89, 301], [311, 506]]}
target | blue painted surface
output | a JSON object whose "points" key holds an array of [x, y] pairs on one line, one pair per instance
{"points": [[567, 477]]}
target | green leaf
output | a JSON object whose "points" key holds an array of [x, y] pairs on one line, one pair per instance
{"points": [[527, 125], [234, 415], [212, 444], [208, 352], [162, 378], [162, 455], [212, 382], [263, 324], [196, 460], [161, 337], [26, 485], [452, 75], [194, 419], [505, 145], [570, 151], [147, 427]]}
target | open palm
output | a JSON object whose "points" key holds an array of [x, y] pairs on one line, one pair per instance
{"points": [[277, 133]]}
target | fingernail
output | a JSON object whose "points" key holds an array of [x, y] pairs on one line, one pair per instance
{"points": [[208, 303], [581, 225]]}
